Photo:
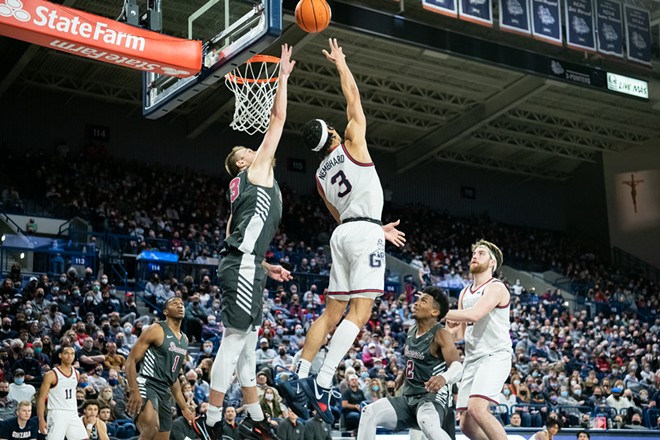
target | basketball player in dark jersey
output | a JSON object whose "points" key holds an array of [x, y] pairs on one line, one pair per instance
{"points": [[432, 367], [160, 352], [256, 210]]}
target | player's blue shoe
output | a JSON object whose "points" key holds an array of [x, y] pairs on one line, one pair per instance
{"points": [[319, 398], [288, 385]]}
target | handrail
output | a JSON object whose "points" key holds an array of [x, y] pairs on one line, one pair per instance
{"points": [[631, 262]]}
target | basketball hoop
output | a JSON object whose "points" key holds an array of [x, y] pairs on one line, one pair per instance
{"points": [[254, 84]]}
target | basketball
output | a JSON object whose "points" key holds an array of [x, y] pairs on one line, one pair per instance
{"points": [[313, 15]]}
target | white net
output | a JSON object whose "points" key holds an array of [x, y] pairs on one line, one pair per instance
{"points": [[254, 84]]}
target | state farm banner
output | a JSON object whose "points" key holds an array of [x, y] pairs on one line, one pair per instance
{"points": [[98, 38], [580, 25], [514, 16], [638, 34], [476, 11], [610, 27], [444, 7], [546, 20]]}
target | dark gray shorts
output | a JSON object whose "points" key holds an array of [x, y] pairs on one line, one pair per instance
{"points": [[242, 279], [160, 396], [406, 410]]}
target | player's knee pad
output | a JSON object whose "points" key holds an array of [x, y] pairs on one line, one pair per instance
{"points": [[428, 420], [227, 358], [247, 361]]}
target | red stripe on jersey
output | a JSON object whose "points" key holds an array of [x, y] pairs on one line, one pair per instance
{"points": [[361, 164], [352, 292], [475, 290], [481, 396]]}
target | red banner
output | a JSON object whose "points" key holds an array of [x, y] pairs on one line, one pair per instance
{"points": [[98, 38]]}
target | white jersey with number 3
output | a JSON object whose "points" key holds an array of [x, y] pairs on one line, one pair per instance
{"points": [[350, 186], [62, 395], [490, 334]]}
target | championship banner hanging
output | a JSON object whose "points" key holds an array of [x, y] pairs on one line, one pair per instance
{"points": [[638, 34], [610, 27], [98, 38], [580, 25], [444, 7], [546, 20], [476, 11], [514, 16]]}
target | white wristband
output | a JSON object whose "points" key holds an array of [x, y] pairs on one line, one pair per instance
{"points": [[453, 373]]}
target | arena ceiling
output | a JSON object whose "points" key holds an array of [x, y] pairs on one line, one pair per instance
{"points": [[421, 105]]}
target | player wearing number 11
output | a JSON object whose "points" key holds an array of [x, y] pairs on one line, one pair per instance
{"points": [[59, 386], [348, 183], [161, 352]]}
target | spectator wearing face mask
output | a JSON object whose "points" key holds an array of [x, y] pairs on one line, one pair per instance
{"points": [[507, 397], [271, 407], [265, 354], [206, 353], [19, 390], [129, 335], [283, 358], [96, 378], [635, 422], [616, 401], [212, 328]]}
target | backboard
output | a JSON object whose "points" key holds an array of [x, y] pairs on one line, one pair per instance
{"points": [[232, 31]]}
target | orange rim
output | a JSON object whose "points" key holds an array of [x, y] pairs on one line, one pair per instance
{"points": [[255, 59]]}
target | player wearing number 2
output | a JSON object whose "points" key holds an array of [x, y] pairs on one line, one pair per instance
{"points": [[161, 352], [348, 183], [432, 367], [59, 386]]}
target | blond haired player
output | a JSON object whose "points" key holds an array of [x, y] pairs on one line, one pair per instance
{"points": [[482, 320]]}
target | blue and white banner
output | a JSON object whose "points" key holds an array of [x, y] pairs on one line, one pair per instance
{"points": [[476, 11], [444, 7], [514, 16], [546, 20], [638, 34], [580, 32], [610, 27]]}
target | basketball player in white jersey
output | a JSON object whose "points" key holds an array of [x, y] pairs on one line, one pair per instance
{"points": [[482, 320], [59, 386], [348, 183]]}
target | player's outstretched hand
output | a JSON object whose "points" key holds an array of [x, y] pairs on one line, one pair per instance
{"points": [[134, 404], [278, 273], [286, 63], [336, 54], [434, 384], [393, 235]]}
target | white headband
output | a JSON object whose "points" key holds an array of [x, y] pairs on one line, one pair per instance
{"points": [[324, 135]]}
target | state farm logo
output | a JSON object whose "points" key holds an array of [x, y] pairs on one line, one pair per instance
{"points": [[14, 8]]}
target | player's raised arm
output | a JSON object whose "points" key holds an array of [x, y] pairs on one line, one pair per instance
{"points": [[261, 170], [154, 335], [356, 130]]}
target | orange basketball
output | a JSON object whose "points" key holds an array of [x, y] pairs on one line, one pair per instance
{"points": [[313, 15]]}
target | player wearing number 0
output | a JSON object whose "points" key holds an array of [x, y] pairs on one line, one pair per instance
{"points": [[160, 352], [482, 320], [348, 183], [59, 386], [432, 367]]}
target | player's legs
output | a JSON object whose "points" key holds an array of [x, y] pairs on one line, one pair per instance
{"points": [[380, 413], [343, 338], [471, 428], [232, 345], [429, 420], [58, 424], [318, 332], [147, 422], [491, 373], [245, 370]]}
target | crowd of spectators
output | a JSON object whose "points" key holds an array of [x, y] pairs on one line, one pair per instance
{"points": [[594, 364]]}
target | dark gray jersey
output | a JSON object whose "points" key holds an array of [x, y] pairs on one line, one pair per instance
{"points": [[256, 212], [163, 363], [421, 365]]}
